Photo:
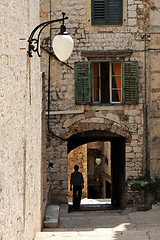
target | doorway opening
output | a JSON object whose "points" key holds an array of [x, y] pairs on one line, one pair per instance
{"points": [[101, 158], [99, 170]]}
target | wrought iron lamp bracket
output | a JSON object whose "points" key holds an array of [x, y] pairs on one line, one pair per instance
{"points": [[34, 42]]}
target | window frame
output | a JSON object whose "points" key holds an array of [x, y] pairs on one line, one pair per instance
{"points": [[93, 89], [104, 19], [111, 85], [111, 88], [129, 75], [110, 61]]}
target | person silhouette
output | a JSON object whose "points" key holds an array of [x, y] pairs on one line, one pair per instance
{"points": [[78, 184]]}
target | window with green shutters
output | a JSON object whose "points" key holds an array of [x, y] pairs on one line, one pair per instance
{"points": [[106, 82], [107, 12]]}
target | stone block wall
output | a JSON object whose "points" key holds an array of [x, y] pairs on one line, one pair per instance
{"points": [[20, 124], [57, 170], [67, 118]]}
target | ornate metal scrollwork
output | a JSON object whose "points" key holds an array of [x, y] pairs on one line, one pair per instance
{"points": [[34, 42]]}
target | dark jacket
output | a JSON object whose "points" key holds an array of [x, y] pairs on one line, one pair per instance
{"points": [[76, 179]]}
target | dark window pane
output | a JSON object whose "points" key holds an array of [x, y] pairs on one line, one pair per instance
{"points": [[105, 93], [96, 95], [115, 96], [116, 82], [96, 82]]}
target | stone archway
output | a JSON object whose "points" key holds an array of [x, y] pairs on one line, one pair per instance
{"points": [[79, 130], [86, 132], [105, 125], [117, 159]]}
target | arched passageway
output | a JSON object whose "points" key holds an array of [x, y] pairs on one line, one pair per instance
{"points": [[117, 158]]}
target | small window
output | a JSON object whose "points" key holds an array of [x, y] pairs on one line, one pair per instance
{"points": [[107, 12], [106, 82]]}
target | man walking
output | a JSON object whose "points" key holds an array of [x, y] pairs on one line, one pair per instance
{"points": [[78, 184]]}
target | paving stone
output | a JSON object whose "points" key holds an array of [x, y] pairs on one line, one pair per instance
{"points": [[104, 226]]}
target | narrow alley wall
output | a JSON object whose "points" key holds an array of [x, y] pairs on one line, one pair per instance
{"points": [[20, 124], [153, 89]]}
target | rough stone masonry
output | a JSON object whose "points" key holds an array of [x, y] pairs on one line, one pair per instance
{"points": [[106, 42], [20, 113]]}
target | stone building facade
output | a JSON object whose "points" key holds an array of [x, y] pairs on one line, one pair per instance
{"points": [[21, 185], [130, 121]]}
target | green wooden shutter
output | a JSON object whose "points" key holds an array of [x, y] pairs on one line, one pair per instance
{"points": [[130, 82], [82, 83], [114, 9], [98, 11], [107, 11]]}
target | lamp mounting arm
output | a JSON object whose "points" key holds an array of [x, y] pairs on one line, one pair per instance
{"points": [[34, 42]]}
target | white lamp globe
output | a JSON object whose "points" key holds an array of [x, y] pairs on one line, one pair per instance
{"points": [[63, 46], [98, 161]]}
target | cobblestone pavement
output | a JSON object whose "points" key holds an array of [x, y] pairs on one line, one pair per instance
{"points": [[106, 225]]}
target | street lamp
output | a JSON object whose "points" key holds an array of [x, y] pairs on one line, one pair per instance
{"points": [[62, 43], [62, 46], [98, 161]]}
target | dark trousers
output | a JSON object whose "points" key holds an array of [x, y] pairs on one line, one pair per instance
{"points": [[77, 194]]}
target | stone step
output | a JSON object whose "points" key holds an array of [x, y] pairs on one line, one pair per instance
{"points": [[52, 216], [94, 207]]}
